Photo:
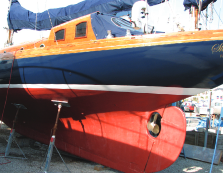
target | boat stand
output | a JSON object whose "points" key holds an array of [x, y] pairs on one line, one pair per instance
{"points": [[52, 140], [11, 136], [183, 153]]}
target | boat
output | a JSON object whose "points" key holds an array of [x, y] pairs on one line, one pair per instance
{"points": [[118, 79]]}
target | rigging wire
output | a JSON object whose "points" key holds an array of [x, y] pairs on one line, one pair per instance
{"points": [[36, 20], [174, 16], [218, 16], [160, 12], [202, 15], [219, 13], [36, 15], [211, 15], [204, 19], [51, 24]]}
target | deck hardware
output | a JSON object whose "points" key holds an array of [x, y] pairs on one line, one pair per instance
{"points": [[109, 34], [128, 33], [7, 150], [59, 104]]}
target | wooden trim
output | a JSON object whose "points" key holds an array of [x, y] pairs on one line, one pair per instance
{"points": [[88, 46]]}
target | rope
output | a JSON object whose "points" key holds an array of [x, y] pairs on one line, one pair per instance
{"points": [[8, 161], [203, 18], [52, 26], [160, 12], [7, 91]]}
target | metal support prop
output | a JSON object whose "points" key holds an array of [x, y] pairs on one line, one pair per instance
{"points": [[208, 119], [53, 138], [183, 153], [174, 104], [7, 150], [216, 142], [206, 133]]}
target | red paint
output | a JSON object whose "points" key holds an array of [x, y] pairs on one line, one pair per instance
{"points": [[168, 145], [109, 128], [52, 139]]}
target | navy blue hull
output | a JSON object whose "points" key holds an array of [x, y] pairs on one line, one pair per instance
{"points": [[181, 65]]}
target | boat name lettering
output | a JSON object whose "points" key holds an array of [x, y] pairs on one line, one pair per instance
{"points": [[217, 48]]}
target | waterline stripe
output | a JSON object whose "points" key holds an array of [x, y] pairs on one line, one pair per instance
{"points": [[114, 88]]}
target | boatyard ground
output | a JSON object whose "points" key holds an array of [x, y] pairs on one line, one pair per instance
{"points": [[35, 153]]}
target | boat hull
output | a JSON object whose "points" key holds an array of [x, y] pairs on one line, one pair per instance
{"points": [[112, 96], [109, 128]]}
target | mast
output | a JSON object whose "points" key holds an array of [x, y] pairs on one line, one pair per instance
{"points": [[199, 13], [10, 32], [194, 18]]}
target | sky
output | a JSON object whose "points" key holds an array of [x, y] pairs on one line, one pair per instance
{"points": [[34, 6], [159, 15]]}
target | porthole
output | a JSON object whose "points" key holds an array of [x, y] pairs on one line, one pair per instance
{"points": [[42, 45]]}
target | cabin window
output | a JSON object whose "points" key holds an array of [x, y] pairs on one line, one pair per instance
{"points": [[59, 35], [81, 30]]}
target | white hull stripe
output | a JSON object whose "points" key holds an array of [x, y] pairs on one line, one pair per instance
{"points": [[114, 88]]}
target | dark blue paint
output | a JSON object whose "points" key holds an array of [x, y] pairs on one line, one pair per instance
{"points": [[21, 18], [188, 3], [183, 65]]}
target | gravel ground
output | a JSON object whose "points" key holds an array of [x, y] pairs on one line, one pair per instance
{"points": [[36, 155]]}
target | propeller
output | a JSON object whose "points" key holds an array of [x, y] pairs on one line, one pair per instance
{"points": [[152, 126]]}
